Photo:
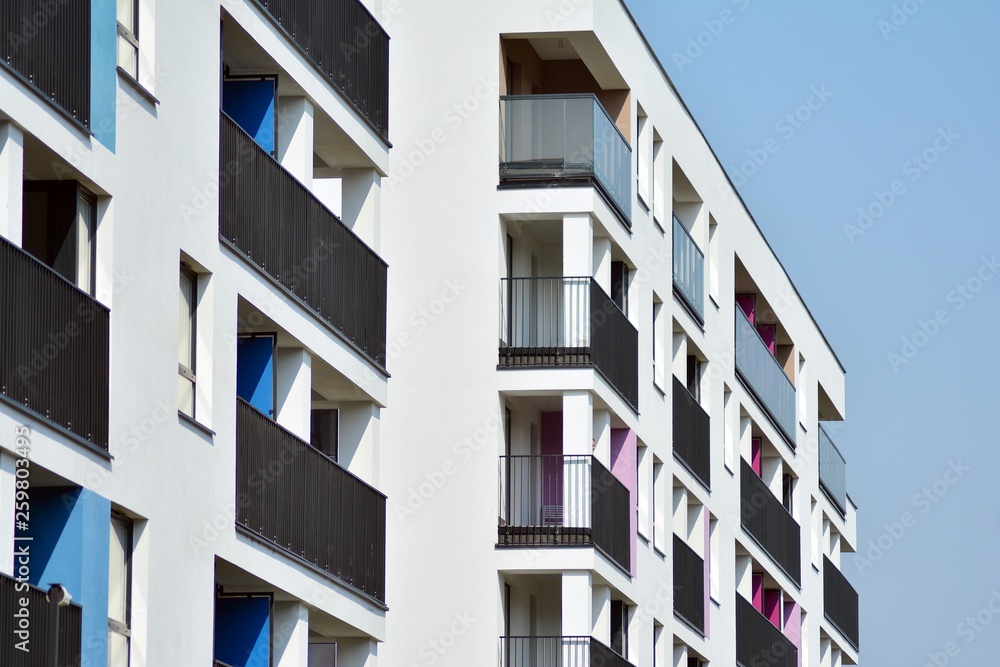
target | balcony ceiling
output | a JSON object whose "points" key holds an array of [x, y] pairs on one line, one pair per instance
{"points": [[584, 46]]}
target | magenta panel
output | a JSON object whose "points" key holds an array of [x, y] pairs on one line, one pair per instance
{"points": [[793, 626], [748, 304], [757, 592], [772, 607], [624, 467], [756, 447]]}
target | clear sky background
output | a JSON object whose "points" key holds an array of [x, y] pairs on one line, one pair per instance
{"points": [[894, 93]]}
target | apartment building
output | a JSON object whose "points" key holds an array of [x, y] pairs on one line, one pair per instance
{"points": [[192, 332], [619, 414]]}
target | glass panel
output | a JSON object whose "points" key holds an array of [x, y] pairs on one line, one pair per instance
{"points": [[84, 239], [117, 650], [118, 573], [128, 57], [185, 319], [126, 14], [185, 396]]}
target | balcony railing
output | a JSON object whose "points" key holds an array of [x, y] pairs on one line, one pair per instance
{"points": [[553, 322], [47, 45], [566, 138], [832, 472], [689, 270], [764, 377], [53, 347], [279, 226], [840, 603], [294, 497], [39, 631], [758, 642], [769, 523], [563, 501], [689, 585], [557, 652], [347, 45], [691, 434]]}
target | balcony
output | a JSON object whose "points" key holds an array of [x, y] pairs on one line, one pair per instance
{"points": [[51, 55], [689, 271], [557, 652], [689, 585], [557, 322], [40, 633], [766, 520], [555, 501], [840, 603], [346, 45], [764, 377], [295, 498], [832, 472], [760, 643], [283, 230], [54, 346], [566, 140], [691, 435]]}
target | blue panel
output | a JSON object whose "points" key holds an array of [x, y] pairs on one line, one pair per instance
{"points": [[103, 72], [70, 546], [243, 631], [251, 104], [255, 372]]}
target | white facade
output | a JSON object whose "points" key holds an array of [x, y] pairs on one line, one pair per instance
{"points": [[448, 579]]}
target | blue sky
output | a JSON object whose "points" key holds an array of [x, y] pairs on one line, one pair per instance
{"points": [[905, 97]]}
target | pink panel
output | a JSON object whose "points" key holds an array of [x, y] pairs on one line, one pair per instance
{"points": [[768, 333], [748, 304], [756, 446], [624, 467], [757, 592], [708, 571], [552, 468], [793, 626], [772, 607]]}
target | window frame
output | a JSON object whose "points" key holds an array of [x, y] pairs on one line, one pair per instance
{"points": [[114, 625], [130, 35], [190, 374]]}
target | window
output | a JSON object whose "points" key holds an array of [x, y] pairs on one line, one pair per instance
{"points": [[645, 481], [787, 489], [659, 505], [713, 258], [659, 349], [714, 562], [619, 285], [119, 590], [325, 431], [694, 377], [59, 222], [619, 628], [187, 321], [659, 179], [728, 435], [643, 150], [128, 37]]}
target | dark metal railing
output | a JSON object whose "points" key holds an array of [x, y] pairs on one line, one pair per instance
{"points": [[832, 472], [758, 642], [39, 628], [769, 523], [765, 377], [347, 45], [840, 603], [296, 498], [691, 434], [563, 500], [53, 347], [689, 269], [689, 585], [557, 652], [273, 220], [562, 137], [47, 45], [547, 322]]}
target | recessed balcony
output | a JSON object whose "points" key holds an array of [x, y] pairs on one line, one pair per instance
{"points": [[55, 347], [563, 500], [568, 322], [691, 435], [760, 371], [840, 603], [558, 652], [689, 585], [766, 520], [566, 140], [832, 472], [689, 271], [758, 642]]}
